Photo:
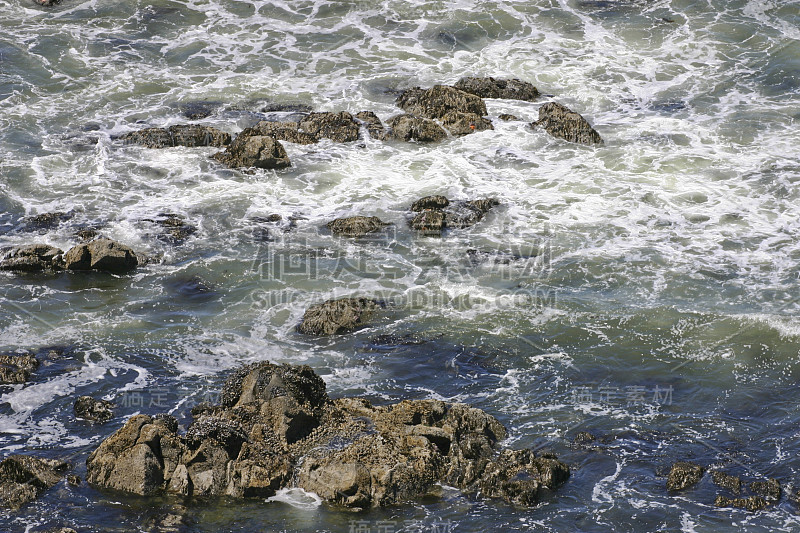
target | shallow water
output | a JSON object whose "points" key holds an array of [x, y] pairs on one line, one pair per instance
{"points": [[651, 291]]}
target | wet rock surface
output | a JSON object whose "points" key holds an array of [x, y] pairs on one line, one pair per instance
{"points": [[276, 427], [373, 124], [283, 131], [435, 214], [93, 410], [174, 228], [753, 503], [32, 258], [560, 121], [190, 135], [23, 478], [45, 221], [254, 151], [465, 123], [339, 127], [337, 316], [513, 89], [17, 369], [438, 101], [684, 474], [410, 128], [101, 254], [727, 481], [357, 226]]}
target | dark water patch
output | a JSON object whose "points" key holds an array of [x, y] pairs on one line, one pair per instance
{"points": [[190, 289]]}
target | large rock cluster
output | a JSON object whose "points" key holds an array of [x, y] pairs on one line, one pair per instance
{"points": [[100, 254], [276, 427]]}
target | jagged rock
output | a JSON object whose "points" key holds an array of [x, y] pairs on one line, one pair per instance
{"points": [[684, 474], [433, 220], [753, 503], [259, 151], [430, 202], [770, 489], [337, 316], [465, 123], [506, 117], [88, 408], [560, 121], [727, 481], [23, 478], [101, 254], [439, 100], [45, 221], [190, 135], [32, 258], [73, 480], [356, 226], [283, 131], [498, 88], [339, 127], [276, 425], [374, 125], [411, 128], [16, 369]]}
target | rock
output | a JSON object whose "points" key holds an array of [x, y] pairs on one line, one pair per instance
{"points": [[429, 222], [498, 88], [175, 229], [430, 202], [753, 503], [93, 410], [439, 100], [283, 131], [339, 127], [87, 234], [727, 481], [190, 135], [45, 221], [32, 258], [16, 369], [101, 254], [465, 123], [770, 489], [584, 438], [356, 226], [433, 220], [47, 3], [506, 117], [411, 128], [337, 316], [73, 480], [559, 121], [197, 110], [373, 124], [259, 151], [684, 474], [23, 478], [276, 425]]}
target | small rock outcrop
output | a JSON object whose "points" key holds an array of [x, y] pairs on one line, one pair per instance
{"points": [[101, 254], [32, 258], [513, 89], [88, 408], [726, 481], [684, 474], [438, 101], [191, 135], [337, 316], [507, 117], [410, 128], [770, 489], [458, 123], [560, 121], [357, 226], [283, 131], [339, 127], [435, 214], [45, 221], [174, 228], [276, 427], [23, 478], [254, 151], [373, 124], [753, 503], [17, 369]]}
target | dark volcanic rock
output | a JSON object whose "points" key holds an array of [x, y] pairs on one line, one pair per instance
{"points": [[23, 478], [337, 316], [439, 100], [560, 121], [684, 474], [101, 254], [465, 123], [753, 503], [93, 410], [190, 135], [259, 151], [283, 131], [411, 128], [769, 489], [16, 369], [339, 127], [276, 425], [498, 88], [732, 483], [373, 124], [32, 258], [356, 226]]}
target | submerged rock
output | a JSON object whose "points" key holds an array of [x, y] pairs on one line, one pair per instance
{"points": [[45, 221], [498, 88], [437, 213], [357, 226], [727, 481], [337, 316], [411, 128], [93, 410], [753, 503], [259, 151], [769, 489], [339, 127], [560, 121], [465, 123], [23, 478], [684, 474], [283, 131], [276, 425], [32, 258], [101, 254], [438, 101], [175, 229], [506, 117], [191, 135], [17, 369]]}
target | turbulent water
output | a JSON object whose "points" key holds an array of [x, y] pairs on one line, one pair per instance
{"points": [[644, 290]]}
